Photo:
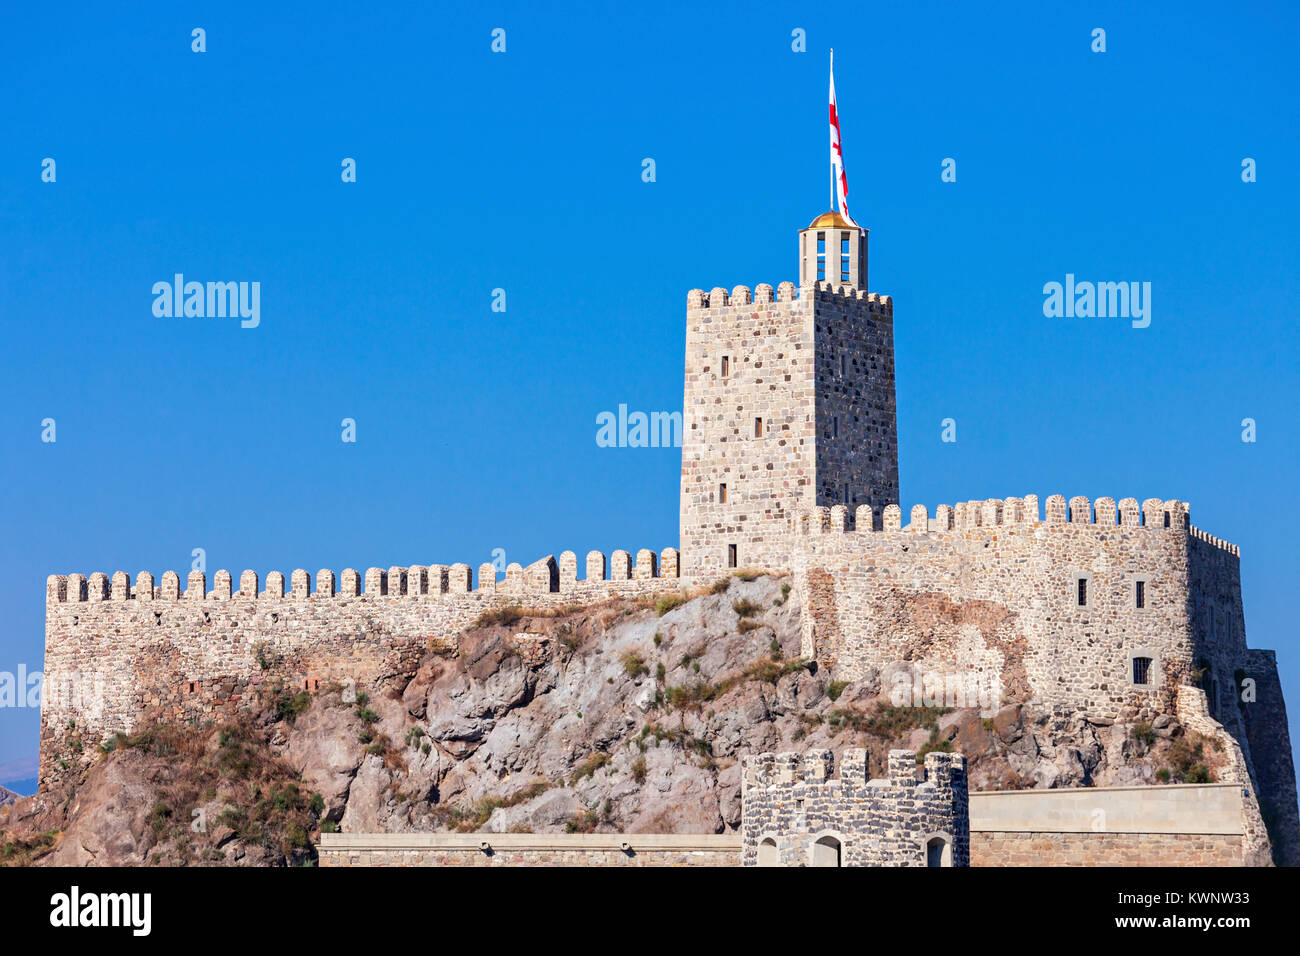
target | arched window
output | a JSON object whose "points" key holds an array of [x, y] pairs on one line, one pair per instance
{"points": [[826, 852], [938, 852], [767, 852]]}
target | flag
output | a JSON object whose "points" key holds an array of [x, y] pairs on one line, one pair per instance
{"points": [[837, 155]]}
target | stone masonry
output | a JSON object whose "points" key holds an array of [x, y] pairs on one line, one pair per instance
{"points": [[795, 813], [117, 655], [789, 403]]}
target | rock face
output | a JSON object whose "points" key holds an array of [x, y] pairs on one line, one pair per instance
{"points": [[7, 796], [610, 717]]}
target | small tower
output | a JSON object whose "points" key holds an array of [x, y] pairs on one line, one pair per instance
{"points": [[833, 250], [794, 812], [789, 403]]}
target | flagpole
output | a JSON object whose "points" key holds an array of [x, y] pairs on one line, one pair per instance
{"points": [[832, 206]]}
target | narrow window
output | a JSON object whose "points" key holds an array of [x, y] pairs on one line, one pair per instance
{"points": [[821, 255], [842, 366], [726, 366], [835, 426], [758, 428], [1083, 592], [1141, 670], [846, 494], [731, 555], [1140, 593], [722, 494], [844, 257]]}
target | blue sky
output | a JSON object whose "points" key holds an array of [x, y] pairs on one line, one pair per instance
{"points": [[522, 171]]}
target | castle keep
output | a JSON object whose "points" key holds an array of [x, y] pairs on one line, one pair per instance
{"points": [[1116, 612], [789, 404]]}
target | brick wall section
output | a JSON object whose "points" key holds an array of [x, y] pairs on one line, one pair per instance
{"points": [[793, 799], [991, 848], [117, 655]]}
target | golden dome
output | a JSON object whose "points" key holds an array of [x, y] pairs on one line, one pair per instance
{"points": [[832, 220]]}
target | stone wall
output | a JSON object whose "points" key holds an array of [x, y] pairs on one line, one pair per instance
{"points": [[989, 589], [765, 343], [527, 849], [1270, 746], [857, 418], [1192, 825], [1103, 849], [792, 808], [117, 655]]}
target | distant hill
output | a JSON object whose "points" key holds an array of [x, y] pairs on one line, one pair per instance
{"points": [[7, 796], [23, 788]]}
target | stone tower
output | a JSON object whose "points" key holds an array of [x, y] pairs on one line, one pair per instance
{"points": [[789, 404]]}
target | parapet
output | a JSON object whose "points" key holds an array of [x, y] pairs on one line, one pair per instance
{"points": [[997, 512], [416, 582], [814, 768], [1210, 539], [719, 297]]}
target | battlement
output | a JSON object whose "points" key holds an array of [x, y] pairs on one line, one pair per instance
{"points": [[1153, 513], [795, 812], [545, 576], [815, 768], [1219, 543], [764, 294]]}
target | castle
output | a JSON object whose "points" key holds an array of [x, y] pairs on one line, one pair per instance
{"points": [[1116, 611]]}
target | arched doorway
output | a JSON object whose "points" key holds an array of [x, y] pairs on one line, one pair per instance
{"points": [[826, 851], [938, 852]]}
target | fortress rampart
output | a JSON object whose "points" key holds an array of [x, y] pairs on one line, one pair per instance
{"points": [[1056, 608], [117, 653]]}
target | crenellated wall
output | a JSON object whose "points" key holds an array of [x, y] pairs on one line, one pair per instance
{"points": [[991, 587], [117, 653]]}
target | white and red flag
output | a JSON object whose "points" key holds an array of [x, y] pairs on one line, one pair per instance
{"points": [[837, 154]]}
